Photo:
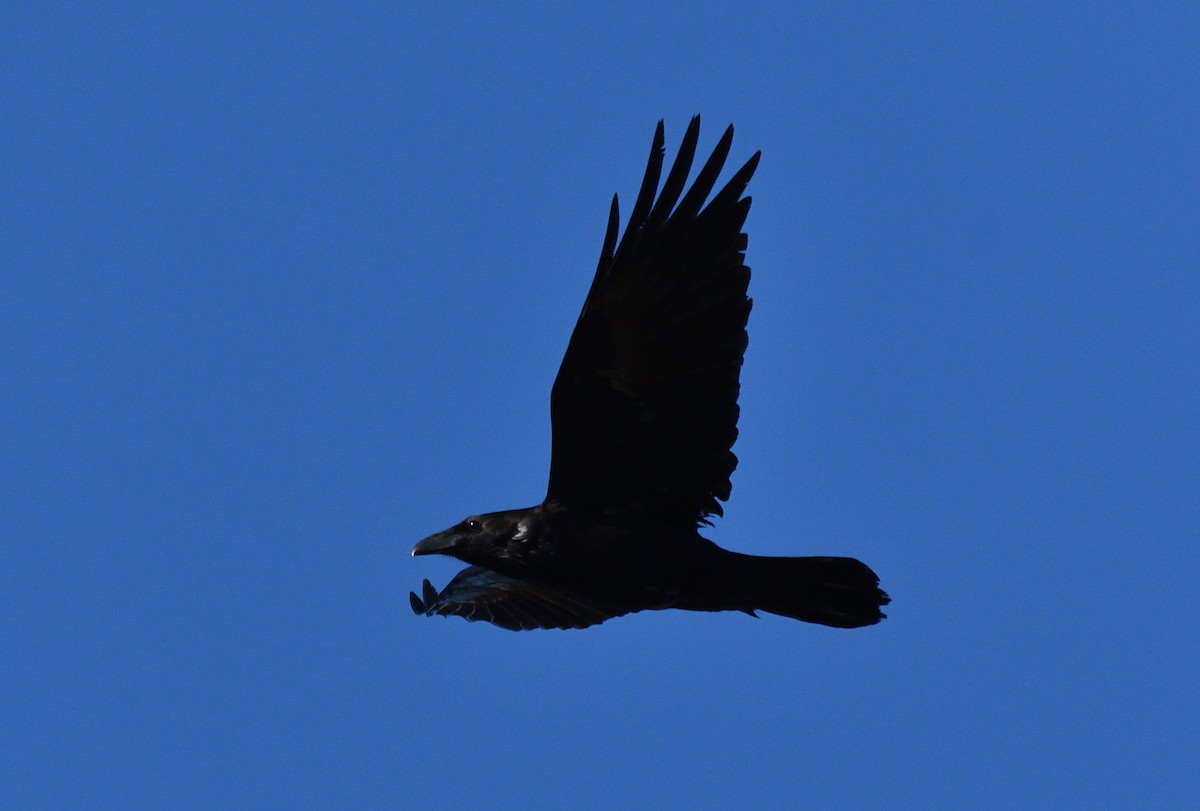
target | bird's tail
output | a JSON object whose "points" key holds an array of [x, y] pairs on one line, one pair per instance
{"points": [[839, 592]]}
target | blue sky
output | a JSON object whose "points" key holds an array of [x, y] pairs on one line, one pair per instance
{"points": [[284, 289]]}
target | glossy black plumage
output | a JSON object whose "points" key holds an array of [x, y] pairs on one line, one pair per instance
{"points": [[644, 415]]}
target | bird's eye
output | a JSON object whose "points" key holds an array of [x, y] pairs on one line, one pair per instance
{"points": [[472, 524]]}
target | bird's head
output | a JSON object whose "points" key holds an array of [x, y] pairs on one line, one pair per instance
{"points": [[479, 539]]}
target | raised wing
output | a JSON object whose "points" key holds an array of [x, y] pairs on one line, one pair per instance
{"points": [[478, 594], [644, 408]]}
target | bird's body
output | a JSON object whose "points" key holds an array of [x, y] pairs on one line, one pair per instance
{"points": [[644, 412]]}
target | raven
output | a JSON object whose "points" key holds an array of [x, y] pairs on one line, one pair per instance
{"points": [[644, 413]]}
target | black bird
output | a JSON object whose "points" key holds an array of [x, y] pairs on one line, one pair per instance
{"points": [[644, 413]]}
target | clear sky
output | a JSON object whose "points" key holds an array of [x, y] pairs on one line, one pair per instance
{"points": [[283, 289]]}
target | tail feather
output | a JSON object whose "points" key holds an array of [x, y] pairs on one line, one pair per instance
{"points": [[839, 592]]}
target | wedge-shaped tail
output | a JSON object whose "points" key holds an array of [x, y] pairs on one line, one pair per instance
{"points": [[839, 592]]}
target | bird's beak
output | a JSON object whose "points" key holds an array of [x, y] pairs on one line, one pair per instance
{"points": [[440, 543]]}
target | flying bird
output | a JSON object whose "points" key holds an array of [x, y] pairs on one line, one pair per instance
{"points": [[644, 415]]}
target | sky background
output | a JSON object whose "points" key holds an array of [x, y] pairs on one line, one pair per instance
{"points": [[283, 290]]}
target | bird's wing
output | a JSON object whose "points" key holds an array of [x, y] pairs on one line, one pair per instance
{"points": [[481, 594], [644, 408]]}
